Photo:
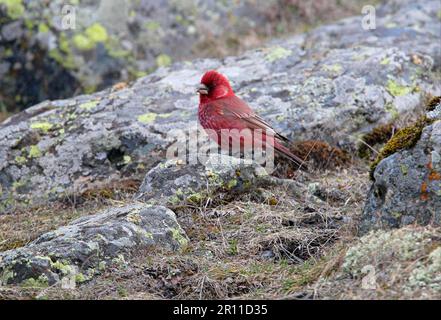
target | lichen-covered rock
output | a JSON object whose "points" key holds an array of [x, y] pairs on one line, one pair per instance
{"points": [[407, 185], [106, 41], [403, 263], [312, 86], [172, 183], [85, 246], [413, 255]]}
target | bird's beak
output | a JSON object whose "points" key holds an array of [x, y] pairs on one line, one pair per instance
{"points": [[202, 89]]}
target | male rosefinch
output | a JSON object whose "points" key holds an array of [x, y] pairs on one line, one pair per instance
{"points": [[220, 109]]}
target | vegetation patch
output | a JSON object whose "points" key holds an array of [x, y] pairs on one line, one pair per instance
{"points": [[378, 135], [433, 102], [405, 138]]}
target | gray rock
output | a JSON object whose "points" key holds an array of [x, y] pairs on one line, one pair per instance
{"points": [[313, 86], [407, 187], [85, 246], [172, 183], [114, 40]]}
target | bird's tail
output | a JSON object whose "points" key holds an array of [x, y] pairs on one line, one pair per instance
{"points": [[284, 151]]}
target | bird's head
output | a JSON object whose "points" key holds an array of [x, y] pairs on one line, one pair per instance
{"points": [[214, 86]]}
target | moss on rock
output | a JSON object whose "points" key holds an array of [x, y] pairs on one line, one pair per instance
{"points": [[405, 138]]}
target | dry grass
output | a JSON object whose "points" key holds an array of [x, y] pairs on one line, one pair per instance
{"points": [[23, 224], [4, 116], [265, 244]]}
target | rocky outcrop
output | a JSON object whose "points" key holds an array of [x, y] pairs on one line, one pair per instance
{"points": [[316, 85], [172, 183], [104, 42], [83, 248], [407, 188]]}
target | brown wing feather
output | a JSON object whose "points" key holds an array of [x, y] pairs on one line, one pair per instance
{"points": [[239, 109]]}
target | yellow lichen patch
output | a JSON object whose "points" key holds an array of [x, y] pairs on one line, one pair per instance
{"points": [[127, 159], [335, 68], [396, 89], [20, 160], [147, 118], [43, 28], [163, 60], [34, 152], [15, 8], [94, 34], [385, 61], [405, 138], [278, 53], [89, 105], [83, 43], [177, 235], [97, 33], [42, 126]]}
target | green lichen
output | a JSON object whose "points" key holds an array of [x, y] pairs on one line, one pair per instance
{"points": [[42, 126], [102, 266], [379, 246], [43, 28], [427, 274], [20, 160], [113, 47], [336, 68], [6, 276], [29, 24], [195, 198], [396, 89], [67, 61], [93, 35], [152, 25], [64, 267], [231, 184], [233, 247], [80, 278], [120, 260], [392, 109], [18, 184], [134, 217], [34, 152], [97, 33], [89, 105], [41, 282], [163, 60], [15, 8], [385, 61], [147, 118], [396, 214], [404, 138], [278, 53], [83, 43], [127, 159], [177, 235]]}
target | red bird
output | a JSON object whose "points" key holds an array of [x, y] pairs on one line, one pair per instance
{"points": [[220, 108]]}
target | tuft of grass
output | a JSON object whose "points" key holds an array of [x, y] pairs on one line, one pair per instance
{"points": [[378, 135]]}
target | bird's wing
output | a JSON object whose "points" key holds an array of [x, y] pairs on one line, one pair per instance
{"points": [[235, 108]]}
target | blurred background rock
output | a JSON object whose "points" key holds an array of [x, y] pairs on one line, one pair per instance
{"points": [[117, 40]]}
